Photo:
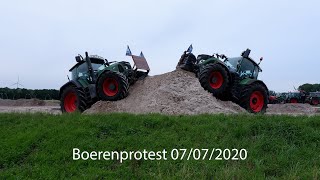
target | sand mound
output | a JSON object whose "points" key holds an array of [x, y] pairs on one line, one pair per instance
{"points": [[292, 109], [177, 92]]}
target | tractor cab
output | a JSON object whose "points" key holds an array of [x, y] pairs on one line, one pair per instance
{"points": [[244, 66], [81, 69]]}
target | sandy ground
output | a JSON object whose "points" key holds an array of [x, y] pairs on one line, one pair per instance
{"points": [[28, 102], [29, 106], [30, 109], [292, 109], [173, 93]]}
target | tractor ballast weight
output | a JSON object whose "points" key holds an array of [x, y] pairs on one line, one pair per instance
{"points": [[226, 78], [94, 78]]}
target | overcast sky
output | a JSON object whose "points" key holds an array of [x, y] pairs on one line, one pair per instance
{"points": [[39, 38]]}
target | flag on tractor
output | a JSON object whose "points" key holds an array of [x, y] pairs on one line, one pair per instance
{"points": [[141, 54], [128, 53], [190, 49]]}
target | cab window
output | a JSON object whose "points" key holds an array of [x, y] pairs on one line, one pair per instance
{"points": [[83, 70], [255, 72], [80, 71], [247, 68]]}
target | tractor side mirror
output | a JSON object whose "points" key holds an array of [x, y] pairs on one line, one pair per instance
{"points": [[78, 58], [260, 60]]}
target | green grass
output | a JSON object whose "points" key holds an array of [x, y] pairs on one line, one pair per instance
{"points": [[40, 146]]}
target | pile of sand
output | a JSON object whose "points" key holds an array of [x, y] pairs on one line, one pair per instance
{"points": [[177, 92]]}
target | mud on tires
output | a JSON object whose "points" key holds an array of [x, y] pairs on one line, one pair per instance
{"points": [[112, 86], [215, 79], [254, 98], [72, 100]]}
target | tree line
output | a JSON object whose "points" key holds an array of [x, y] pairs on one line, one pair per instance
{"points": [[43, 94], [310, 87]]}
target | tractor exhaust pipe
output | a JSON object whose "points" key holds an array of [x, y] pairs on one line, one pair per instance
{"points": [[88, 61]]}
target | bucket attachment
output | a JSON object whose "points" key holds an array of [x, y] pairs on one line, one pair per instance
{"points": [[140, 62], [141, 67]]}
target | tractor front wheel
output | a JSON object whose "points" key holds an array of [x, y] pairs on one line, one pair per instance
{"points": [[112, 86], [215, 79], [254, 98], [72, 100]]}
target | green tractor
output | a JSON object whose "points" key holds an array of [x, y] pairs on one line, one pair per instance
{"points": [[296, 97], [281, 98], [226, 78], [314, 98], [94, 78]]}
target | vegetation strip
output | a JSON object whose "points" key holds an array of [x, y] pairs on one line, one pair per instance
{"points": [[40, 145]]}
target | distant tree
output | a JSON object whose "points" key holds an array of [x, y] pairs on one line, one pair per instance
{"points": [[29, 93], [309, 87]]}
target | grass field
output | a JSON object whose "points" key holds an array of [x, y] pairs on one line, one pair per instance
{"points": [[40, 145]]}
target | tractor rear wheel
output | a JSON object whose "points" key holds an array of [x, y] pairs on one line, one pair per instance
{"points": [[215, 79], [112, 86], [315, 102], [254, 98], [72, 100]]}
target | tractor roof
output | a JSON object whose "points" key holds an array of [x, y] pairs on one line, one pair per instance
{"points": [[94, 59]]}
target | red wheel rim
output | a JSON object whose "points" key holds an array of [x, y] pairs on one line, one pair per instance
{"points": [[70, 102], [110, 87], [315, 102], [294, 101], [256, 101], [216, 80]]}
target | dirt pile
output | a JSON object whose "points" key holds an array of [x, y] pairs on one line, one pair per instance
{"points": [[292, 109], [177, 92], [27, 102]]}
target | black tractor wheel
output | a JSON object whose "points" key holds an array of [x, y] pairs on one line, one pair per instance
{"points": [[215, 79], [254, 98], [72, 100], [112, 86]]}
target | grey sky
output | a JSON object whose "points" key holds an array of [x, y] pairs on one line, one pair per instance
{"points": [[39, 38]]}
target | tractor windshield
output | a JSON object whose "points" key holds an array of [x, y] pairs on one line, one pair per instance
{"points": [[83, 71], [80, 71], [96, 67], [232, 63], [248, 69]]}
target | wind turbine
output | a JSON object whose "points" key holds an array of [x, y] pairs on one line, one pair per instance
{"points": [[17, 83]]}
